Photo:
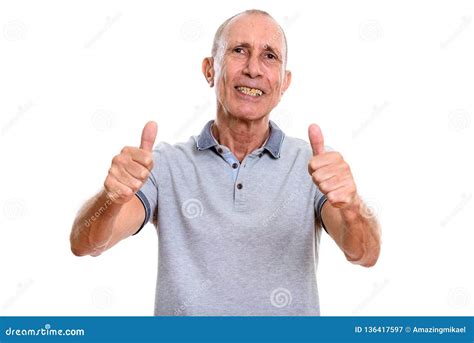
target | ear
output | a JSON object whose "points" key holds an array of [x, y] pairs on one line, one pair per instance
{"points": [[286, 81], [208, 70]]}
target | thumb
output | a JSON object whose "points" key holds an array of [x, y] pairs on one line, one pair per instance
{"points": [[316, 139], [148, 136]]}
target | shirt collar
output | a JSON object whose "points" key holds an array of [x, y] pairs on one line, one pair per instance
{"points": [[206, 140]]}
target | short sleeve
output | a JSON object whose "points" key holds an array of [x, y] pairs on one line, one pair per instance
{"points": [[148, 194], [319, 201]]}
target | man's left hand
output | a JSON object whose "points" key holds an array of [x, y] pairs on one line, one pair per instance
{"points": [[330, 172]]}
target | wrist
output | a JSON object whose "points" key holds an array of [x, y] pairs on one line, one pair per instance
{"points": [[352, 209]]}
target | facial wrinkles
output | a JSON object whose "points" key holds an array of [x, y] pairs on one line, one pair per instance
{"points": [[269, 80]]}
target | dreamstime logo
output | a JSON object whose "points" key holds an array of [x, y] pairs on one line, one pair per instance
{"points": [[276, 213], [14, 30], [459, 297], [290, 20], [189, 301], [376, 111], [465, 21], [377, 288], [111, 197], [465, 199], [22, 287], [459, 119], [198, 113], [369, 208], [191, 30], [283, 119], [22, 109], [109, 21], [370, 30], [103, 120], [14, 209], [281, 297], [192, 208], [102, 297]]}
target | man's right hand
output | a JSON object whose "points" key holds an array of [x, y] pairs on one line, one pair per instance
{"points": [[131, 168]]}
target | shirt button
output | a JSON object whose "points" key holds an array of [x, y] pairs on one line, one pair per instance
{"points": [[235, 165], [239, 186], [260, 155], [219, 150]]}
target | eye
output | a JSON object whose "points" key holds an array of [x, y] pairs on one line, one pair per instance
{"points": [[238, 50], [271, 56]]}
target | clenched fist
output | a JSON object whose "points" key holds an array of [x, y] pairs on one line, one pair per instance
{"points": [[330, 172], [131, 168]]}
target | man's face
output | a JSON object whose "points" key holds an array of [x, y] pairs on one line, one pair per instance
{"points": [[249, 67]]}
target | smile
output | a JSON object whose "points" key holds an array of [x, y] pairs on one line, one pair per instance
{"points": [[250, 91]]}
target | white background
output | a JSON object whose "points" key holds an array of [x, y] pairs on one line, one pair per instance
{"points": [[390, 83]]}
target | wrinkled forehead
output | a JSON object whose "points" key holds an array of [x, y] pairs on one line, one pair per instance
{"points": [[256, 30]]}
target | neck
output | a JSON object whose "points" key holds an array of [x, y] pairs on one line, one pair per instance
{"points": [[239, 135]]}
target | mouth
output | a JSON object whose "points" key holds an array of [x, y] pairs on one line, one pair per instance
{"points": [[255, 92]]}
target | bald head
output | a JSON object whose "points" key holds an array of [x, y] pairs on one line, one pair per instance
{"points": [[248, 66], [219, 37]]}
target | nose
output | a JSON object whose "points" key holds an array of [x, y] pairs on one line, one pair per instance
{"points": [[252, 68]]}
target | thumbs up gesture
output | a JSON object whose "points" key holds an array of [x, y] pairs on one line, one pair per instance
{"points": [[131, 168], [330, 172]]}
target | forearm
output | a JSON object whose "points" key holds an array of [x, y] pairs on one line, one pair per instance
{"points": [[360, 234], [92, 228], [356, 231]]}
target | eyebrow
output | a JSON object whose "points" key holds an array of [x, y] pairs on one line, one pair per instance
{"points": [[266, 47]]}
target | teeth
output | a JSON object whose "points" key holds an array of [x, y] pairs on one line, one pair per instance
{"points": [[250, 91]]}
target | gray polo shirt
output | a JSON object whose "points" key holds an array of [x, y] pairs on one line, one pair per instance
{"points": [[234, 238]]}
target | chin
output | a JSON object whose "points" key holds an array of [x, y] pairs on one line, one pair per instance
{"points": [[248, 112], [249, 116]]}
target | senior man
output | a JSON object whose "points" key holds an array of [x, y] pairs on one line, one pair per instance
{"points": [[238, 216]]}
